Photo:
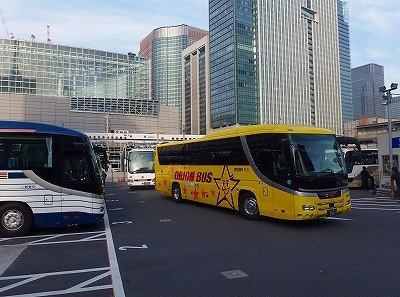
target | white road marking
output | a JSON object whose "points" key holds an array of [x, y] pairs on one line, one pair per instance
{"points": [[78, 288], [124, 248], [375, 208], [115, 273], [47, 239], [124, 222], [338, 219]]}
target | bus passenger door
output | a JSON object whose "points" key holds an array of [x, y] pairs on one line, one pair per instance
{"points": [[282, 193], [283, 204]]}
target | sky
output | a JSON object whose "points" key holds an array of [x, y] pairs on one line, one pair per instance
{"points": [[119, 25]]}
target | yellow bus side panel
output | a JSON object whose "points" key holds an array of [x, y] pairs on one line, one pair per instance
{"points": [[221, 186]]}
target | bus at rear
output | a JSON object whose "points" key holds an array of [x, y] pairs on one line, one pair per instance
{"points": [[140, 168]]}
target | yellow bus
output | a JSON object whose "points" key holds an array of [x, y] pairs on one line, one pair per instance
{"points": [[281, 171]]}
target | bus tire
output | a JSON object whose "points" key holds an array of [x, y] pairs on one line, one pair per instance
{"points": [[248, 206], [15, 219], [176, 193]]}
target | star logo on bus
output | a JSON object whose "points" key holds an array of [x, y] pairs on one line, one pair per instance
{"points": [[226, 183]]}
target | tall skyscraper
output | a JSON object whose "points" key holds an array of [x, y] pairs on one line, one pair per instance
{"points": [[233, 74], [275, 61], [367, 100], [196, 87], [345, 64], [164, 47]]}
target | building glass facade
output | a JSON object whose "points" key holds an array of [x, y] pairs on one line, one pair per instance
{"points": [[345, 63], [367, 100], [233, 74], [96, 81], [275, 61], [164, 47]]}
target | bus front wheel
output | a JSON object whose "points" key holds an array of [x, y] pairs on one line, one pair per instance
{"points": [[176, 193], [15, 219], [248, 206]]}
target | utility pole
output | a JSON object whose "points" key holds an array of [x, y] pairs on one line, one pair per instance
{"points": [[388, 100]]}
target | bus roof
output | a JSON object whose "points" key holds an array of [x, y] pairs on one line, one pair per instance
{"points": [[31, 127], [256, 129]]}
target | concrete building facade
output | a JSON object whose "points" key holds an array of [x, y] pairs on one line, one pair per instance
{"points": [[196, 87]]}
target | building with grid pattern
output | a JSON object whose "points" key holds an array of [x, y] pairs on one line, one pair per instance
{"points": [[78, 87], [196, 87], [275, 61], [163, 47], [345, 64], [367, 100]]}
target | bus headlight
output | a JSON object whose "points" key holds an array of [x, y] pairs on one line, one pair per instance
{"points": [[308, 207]]}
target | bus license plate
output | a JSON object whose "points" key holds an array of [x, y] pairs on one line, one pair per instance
{"points": [[331, 213]]}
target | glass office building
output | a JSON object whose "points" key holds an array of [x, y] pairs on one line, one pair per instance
{"points": [[95, 81], [164, 48], [367, 100], [233, 68], [345, 64], [275, 61]]}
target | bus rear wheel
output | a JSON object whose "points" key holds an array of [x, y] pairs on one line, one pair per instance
{"points": [[176, 193], [248, 206], [15, 219]]}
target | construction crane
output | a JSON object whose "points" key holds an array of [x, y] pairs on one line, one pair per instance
{"points": [[48, 34], [9, 35]]}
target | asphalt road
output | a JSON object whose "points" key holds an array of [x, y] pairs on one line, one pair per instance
{"points": [[161, 248]]}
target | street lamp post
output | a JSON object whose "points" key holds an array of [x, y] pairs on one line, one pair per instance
{"points": [[388, 99]]}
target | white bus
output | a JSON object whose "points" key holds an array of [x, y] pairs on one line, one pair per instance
{"points": [[369, 159], [140, 167], [49, 177]]}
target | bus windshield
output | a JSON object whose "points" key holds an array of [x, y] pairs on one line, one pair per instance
{"points": [[141, 162], [316, 155]]}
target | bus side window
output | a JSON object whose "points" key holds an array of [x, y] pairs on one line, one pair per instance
{"points": [[13, 162], [68, 174], [281, 164], [263, 161]]}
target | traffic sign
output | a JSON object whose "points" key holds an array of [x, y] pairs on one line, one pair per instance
{"points": [[396, 142]]}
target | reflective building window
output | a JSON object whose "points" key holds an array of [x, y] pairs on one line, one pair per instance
{"points": [[95, 80]]}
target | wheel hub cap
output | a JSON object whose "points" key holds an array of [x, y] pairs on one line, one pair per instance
{"points": [[250, 206], [13, 220]]}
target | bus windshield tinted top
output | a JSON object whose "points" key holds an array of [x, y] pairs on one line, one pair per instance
{"points": [[316, 155]]}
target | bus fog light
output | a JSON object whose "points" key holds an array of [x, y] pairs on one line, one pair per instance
{"points": [[308, 207]]}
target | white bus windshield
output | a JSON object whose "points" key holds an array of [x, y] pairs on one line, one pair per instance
{"points": [[141, 162]]}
